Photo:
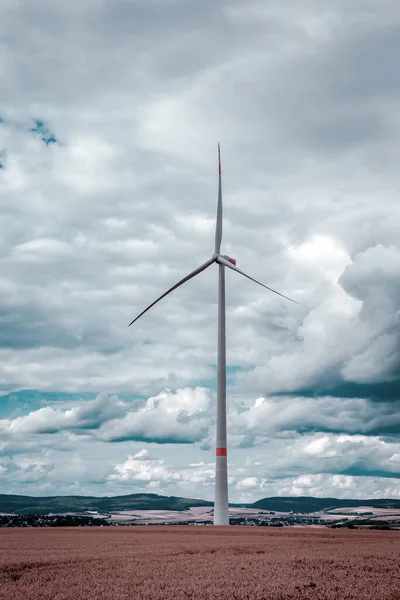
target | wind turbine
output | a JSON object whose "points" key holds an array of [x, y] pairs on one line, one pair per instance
{"points": [[221, 506]]}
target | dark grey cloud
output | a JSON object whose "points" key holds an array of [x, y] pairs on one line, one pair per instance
{"points": [[353, 416], [335, 93]]}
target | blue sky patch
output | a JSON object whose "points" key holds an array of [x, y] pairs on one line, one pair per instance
{"points": [[46, 135]]}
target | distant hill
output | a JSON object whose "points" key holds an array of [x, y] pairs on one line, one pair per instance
{"points": [[24, 505], [308, 504]]}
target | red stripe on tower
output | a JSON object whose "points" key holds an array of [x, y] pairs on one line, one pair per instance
{"points": [[221, 452], [219, 159]]}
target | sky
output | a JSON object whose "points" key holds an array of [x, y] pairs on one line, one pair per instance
{"points": [[110, 115]]}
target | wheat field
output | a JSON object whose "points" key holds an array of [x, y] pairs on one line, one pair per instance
{"points": [[176, 563]]}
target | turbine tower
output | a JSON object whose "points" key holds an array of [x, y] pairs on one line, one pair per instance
{"points": [[221, 505]]}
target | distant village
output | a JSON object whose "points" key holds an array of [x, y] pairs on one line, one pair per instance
{"points": [[51, 521], [263, 519]]}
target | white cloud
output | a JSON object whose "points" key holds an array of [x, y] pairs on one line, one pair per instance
{"points": [[88, 415], [183, 416], [179, 417], [319, 447], [321, 253], [248, 482], [140, 467], [343, 486]]}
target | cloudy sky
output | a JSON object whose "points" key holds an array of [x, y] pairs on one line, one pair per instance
{"points": [[110, 114]]}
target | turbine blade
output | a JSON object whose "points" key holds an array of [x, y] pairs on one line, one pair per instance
{"points": [[218, 228], [174, 287], [225, 262]]}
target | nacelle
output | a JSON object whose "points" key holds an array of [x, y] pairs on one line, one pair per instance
{"points": [[229, 259]]}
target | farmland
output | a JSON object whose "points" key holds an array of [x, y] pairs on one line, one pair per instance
{"points": [[162, 563]]}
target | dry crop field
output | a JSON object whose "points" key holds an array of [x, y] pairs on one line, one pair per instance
{"points": [[173, 563]]}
